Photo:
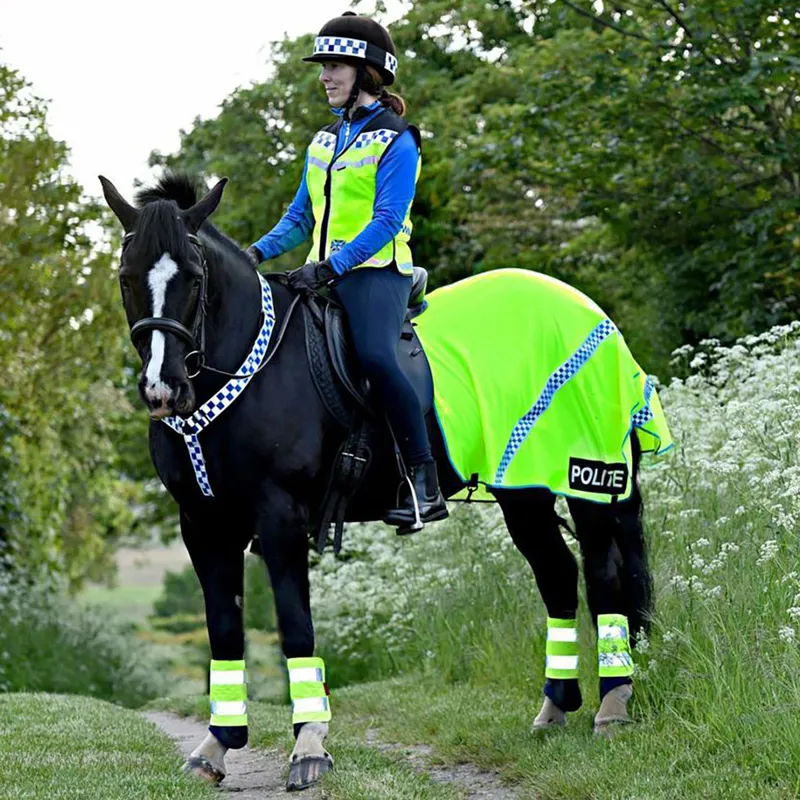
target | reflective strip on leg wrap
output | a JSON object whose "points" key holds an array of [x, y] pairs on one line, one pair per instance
{"points": [[613, 646], [228, 693], [562, 649], [308, 690]]}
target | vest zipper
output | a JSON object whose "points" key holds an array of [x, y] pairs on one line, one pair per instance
{"points": [[326, 216]]}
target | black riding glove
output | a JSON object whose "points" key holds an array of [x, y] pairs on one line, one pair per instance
{"points": [[254, 255], [311, 275]]}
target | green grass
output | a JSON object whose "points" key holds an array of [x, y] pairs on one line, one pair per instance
{"points": [[129, 603], [54, 747]]}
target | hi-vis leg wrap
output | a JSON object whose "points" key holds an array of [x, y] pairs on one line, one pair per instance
{"points": [[228, 693], [308, 690], [613, 646], [562, 649]]}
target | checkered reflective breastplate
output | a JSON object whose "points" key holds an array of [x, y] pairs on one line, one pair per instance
{"points": [[190, 427]]}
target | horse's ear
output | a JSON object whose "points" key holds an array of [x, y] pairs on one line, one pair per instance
{"points": [[123, 210], [195, 216]]}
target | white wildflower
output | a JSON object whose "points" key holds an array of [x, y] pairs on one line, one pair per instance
{"points": [[767, 551], [786, 633]]}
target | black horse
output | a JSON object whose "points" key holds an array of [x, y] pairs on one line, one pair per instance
{"points": [[187, 287]]}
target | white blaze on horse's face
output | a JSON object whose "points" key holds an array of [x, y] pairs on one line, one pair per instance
{"points": [[155, 389]]}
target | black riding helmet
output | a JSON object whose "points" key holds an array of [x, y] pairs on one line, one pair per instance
{"points": [[359, 41]]}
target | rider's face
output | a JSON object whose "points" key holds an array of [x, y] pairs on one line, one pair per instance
{"points": [[338, 79]]}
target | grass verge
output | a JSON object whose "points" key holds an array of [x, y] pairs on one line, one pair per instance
{"points": [[57, 747], [660, 758]]}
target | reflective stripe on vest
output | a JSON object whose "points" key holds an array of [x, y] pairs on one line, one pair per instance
{"points": [[342, 191]]}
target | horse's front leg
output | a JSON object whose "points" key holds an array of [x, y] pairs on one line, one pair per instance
{"points": [[282, 531], [218, 561]]}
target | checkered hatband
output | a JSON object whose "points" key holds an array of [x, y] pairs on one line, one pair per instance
{"points": [[563, 374], [391, 63], [190, 427], [340, 46]]}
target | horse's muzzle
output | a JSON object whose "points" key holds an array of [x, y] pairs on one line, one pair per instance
{"points": [[164, 400]]}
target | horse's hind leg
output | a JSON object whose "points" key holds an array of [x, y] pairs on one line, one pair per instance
{"points": [[219, 564], [534, 527], [283, 539], [610, 565]]}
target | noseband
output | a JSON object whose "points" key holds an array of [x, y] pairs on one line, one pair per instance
{"points": [[195, 338]]}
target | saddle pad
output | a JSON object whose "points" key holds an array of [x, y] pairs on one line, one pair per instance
{"points": [[535, 387]]}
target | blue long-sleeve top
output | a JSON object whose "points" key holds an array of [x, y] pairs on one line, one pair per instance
{"points": [[395, 187]]}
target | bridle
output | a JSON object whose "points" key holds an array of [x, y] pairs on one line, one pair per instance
{"points": [[195, 338]]}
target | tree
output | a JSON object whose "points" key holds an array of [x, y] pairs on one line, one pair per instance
{"points": [[64, 497], [646, 152]]}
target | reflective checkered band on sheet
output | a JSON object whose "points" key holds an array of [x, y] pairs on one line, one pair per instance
{"points": [[645, 414], [340, 46], [563, 374], [190, 427]]}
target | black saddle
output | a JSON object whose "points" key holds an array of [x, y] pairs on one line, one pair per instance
{"points": [[333, 365], [346, 395]]}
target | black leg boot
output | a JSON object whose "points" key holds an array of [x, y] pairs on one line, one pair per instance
{"points": [[420, 501]]}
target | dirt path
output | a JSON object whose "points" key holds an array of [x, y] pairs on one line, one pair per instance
{"points": [[478, 783], [261, 774], [252, 774]]}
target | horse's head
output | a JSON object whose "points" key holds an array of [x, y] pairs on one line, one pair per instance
{"points": [[163, 279]]}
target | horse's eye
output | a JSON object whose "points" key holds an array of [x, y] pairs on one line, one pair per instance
{"points": [[125, 284]]}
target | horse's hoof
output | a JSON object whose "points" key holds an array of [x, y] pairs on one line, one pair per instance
{"points": [[306, 771], [550, 716], [204, 769], [613, 712], [608, 729]]}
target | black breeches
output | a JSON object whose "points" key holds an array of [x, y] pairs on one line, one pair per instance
{"points": [[375, 303]]}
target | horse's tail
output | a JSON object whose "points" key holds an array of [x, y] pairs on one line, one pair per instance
{"points": [[630, 554], [177, 186]]}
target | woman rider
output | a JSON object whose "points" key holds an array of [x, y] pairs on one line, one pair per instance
{"points": [[356, 192]]}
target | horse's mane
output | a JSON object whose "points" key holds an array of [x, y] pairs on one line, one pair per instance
{"points": [[184, 191]]}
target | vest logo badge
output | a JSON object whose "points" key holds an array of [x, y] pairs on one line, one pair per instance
{"points": [[597, 476], [337, 245]]}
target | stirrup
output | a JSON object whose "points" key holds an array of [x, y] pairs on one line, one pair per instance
{"points": [[417, 525]]}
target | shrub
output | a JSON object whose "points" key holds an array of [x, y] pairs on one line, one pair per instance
{"points": [[181, 600], [50, 644]]}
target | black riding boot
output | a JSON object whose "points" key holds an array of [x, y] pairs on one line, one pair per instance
{"points": [[410, 516]]}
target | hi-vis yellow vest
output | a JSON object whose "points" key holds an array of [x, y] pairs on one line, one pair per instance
{"points": [[342, 190]]}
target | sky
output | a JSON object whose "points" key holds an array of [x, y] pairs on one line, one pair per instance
{"points": [[123, 78]]}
